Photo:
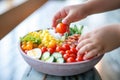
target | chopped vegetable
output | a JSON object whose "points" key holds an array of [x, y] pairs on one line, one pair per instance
{"points": [[35, 53], [60, 60], [45, 56], [50, 59], [61, 28], [33, 37], [57, 55]]}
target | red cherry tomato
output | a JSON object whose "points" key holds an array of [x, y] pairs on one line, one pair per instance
{"points": [[66, 47], [43, 49], [66, 56], [68, 52], [51, 50], [80, 57], [58, 48], [70, 59], [73, 50], [62, 52], [73, 55], [61, 28]]}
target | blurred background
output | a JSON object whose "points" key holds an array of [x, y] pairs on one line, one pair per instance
{"points": [[6, 5], [18, 17]]}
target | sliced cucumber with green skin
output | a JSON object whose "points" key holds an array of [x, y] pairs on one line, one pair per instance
{"points": [[45, 56], [50, 59], [57, 55], [60, 60]]}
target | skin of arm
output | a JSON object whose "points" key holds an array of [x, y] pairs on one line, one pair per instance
{"points": [[77, 12], [98, 6]]}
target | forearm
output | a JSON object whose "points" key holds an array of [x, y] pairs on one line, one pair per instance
{"points": [[98, 6]]}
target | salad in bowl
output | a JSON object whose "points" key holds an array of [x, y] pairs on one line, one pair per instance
{"points": [[55, 53]]}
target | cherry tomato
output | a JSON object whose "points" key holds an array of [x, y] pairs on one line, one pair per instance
{"points": [[68, 52], [62, 52], [73, 50], [44, 49], [66, 56], [61, 28], [80, 57], [73, 55], [66, 47], [70, 59], [58, 48], [51, 50]]}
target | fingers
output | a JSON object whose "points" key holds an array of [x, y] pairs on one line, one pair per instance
{"points": [[82, 43], [87, 44], [69, 18], [82, 37], [59, 15], [86, 48], [91, 54], [90, 50]]}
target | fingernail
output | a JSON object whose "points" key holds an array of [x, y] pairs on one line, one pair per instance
{"points": [[64, 21]]}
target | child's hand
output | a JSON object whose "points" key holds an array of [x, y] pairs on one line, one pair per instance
{"points": [[99, 41], [70, 14]]}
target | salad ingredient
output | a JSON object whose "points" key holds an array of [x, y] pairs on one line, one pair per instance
{"points": [[73, 55], [61, 28], [70, 59], [66, 56], [51, 50], [60, 60], [68, 52], [50, 59], [38, 39], [52, 44], [58, 48], [65, 47], [76, 30], [35, 53], [80, 57], [44, 49], [57, 55], [45, 56], [62, 52], [73, 50], [32, 37]]}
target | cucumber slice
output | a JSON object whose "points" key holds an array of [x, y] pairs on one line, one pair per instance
{"points": [[45, 56], [57, 55], [50, 59], [35, 53], [60, 60]]}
